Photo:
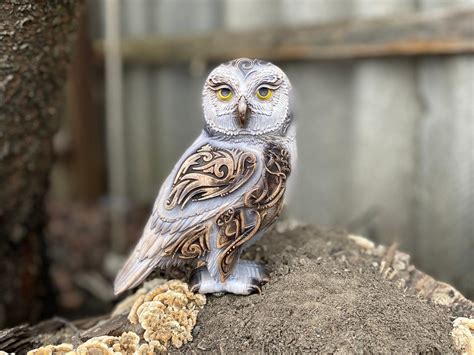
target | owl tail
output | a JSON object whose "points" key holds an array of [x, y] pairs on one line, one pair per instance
{"points": [[133, 273]]}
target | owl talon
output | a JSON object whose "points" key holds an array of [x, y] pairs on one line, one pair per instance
{"points": [[255, 287], [248, 277], [195, 288], [195, 278]]}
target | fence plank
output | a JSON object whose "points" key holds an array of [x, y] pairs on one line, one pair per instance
{"points": [[88, 160], [115, 130], [446, 172], [137, 106], [323, 124], [384, 117], [445, 190], [435, 32], [177, 110]]}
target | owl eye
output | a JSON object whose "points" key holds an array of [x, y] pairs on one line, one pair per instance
{"points": [[264, 93], [224, 94]]}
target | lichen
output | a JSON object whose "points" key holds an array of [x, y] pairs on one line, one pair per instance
{"points": [[168, 314], [133, 316], [126, 344], [151, 348], [61, 349], [93, 346], [125, 305], [463, 335]]}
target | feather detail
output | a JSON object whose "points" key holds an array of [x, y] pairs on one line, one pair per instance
{"points": [[132, 274]]}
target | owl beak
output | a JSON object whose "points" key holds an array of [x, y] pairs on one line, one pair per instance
{"points": [[243, 112]]}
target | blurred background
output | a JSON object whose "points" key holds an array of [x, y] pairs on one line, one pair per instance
{"points": [[385, 112]]}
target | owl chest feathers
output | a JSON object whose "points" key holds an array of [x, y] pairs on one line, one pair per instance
{"points": [[241, 186]]}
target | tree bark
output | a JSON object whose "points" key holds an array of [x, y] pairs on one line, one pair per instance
{"points": [[35, 46]]}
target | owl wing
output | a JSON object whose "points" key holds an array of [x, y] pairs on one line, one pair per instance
{"points": [[208, 179]]}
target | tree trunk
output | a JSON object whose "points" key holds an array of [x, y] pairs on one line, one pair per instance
{"points": [[35, 46]]}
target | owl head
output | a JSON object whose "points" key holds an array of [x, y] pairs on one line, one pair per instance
{"points": [[247, 96]]}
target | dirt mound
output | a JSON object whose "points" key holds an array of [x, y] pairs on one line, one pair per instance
{"points": [[328, 293], [324, 296]]}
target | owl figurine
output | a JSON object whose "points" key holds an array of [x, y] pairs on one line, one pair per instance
{"points": [[229, 186]]}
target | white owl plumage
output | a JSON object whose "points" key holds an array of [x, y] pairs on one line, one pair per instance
{"points": [[228, 187]]}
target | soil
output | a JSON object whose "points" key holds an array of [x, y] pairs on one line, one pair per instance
{"points": [[325, 296]]}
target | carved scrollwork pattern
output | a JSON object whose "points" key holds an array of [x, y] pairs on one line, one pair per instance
{"points": [[192, 244], [262, 206], [230, 227], [210, 172], [247, 66]]}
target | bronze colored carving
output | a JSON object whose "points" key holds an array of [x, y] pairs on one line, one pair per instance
{"points": [[192, 244], [261, 207], [210, 172]]}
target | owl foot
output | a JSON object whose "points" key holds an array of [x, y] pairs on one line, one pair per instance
{"points": [[248, 277]]}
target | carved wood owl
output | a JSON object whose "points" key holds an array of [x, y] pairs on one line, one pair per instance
{"points": [[228, 187]]}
